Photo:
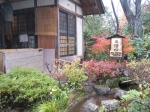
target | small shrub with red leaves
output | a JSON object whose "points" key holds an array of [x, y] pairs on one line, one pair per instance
{"points": [[102, 69]]}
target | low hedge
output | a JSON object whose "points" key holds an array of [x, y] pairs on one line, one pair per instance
{"points": [[24, 87]]}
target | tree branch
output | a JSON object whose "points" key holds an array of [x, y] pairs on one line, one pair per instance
{"points": [[129, 14], [117, 21]]}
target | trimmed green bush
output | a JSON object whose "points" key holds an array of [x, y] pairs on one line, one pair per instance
{"points": [[75, 73], [23, 87]]}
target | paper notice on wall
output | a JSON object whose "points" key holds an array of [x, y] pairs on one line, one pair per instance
{"points": [[23, 38]]}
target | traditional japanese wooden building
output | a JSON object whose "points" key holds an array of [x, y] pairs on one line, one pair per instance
{"points": [[56, 26]]}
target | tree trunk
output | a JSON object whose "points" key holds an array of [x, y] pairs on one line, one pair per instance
{"points": [[117, 21], [135, 20]]}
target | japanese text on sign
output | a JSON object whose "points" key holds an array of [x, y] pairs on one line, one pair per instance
{"points": [[116, 47]]}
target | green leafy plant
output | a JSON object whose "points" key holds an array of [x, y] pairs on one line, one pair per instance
{"points": [[23, 87], [75, 74], [130, 57], [139, 71], [139, 48], [58, 102], [101, 56], [136, 101]]}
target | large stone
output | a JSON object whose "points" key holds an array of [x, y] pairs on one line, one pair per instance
{"points": [[110, 105], [126, 73], [114, 90], [101, 90], [88, 89], [119, 94], [92, 107]]}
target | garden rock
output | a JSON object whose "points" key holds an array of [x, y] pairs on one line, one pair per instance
{"points": [[92, 107], [110, 105], [119, 94], [101, 90], [88, 89], [126, 73], [114, 90]]}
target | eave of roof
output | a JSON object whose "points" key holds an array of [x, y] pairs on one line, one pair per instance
{"points": [[92, 7]]}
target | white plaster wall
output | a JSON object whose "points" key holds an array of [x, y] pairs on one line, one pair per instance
{"points": [[69, 58], [22, 4], [49, 58], [45, 2], [79, 10], [79, 37], [78, 1], [67, 4]]}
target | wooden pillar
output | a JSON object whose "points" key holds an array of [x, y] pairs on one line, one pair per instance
{"points": [[2, 39]]}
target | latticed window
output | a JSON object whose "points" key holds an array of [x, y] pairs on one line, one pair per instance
{"points": [[67, 34], [24, 23]]}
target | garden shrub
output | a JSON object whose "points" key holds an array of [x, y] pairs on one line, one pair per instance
{"points": [[58, 102], [139, 71], [136, 101], [75, 73], [23, 87], [102, 68], [100, 49], [127, 47], [139, 47]]}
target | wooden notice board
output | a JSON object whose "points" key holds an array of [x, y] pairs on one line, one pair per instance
{"points": [[116, 47], [46, 21]]}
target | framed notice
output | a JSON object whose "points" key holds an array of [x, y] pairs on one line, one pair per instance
{"points": [[23, 38], [116, 47]]}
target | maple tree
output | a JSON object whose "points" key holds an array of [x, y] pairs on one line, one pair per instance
{"points": [[127, 47], [101, 45]]}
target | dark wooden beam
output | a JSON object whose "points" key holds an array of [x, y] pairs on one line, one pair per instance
{"points": [[82, 8], [35, 4], [56, 3], [97, 7], [90, 6]]}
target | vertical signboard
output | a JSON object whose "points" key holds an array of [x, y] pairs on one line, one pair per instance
{"points": [[116, 47], [116, 50]]}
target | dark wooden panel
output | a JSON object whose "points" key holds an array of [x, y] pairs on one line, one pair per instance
{"points": [[46, 42]]}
